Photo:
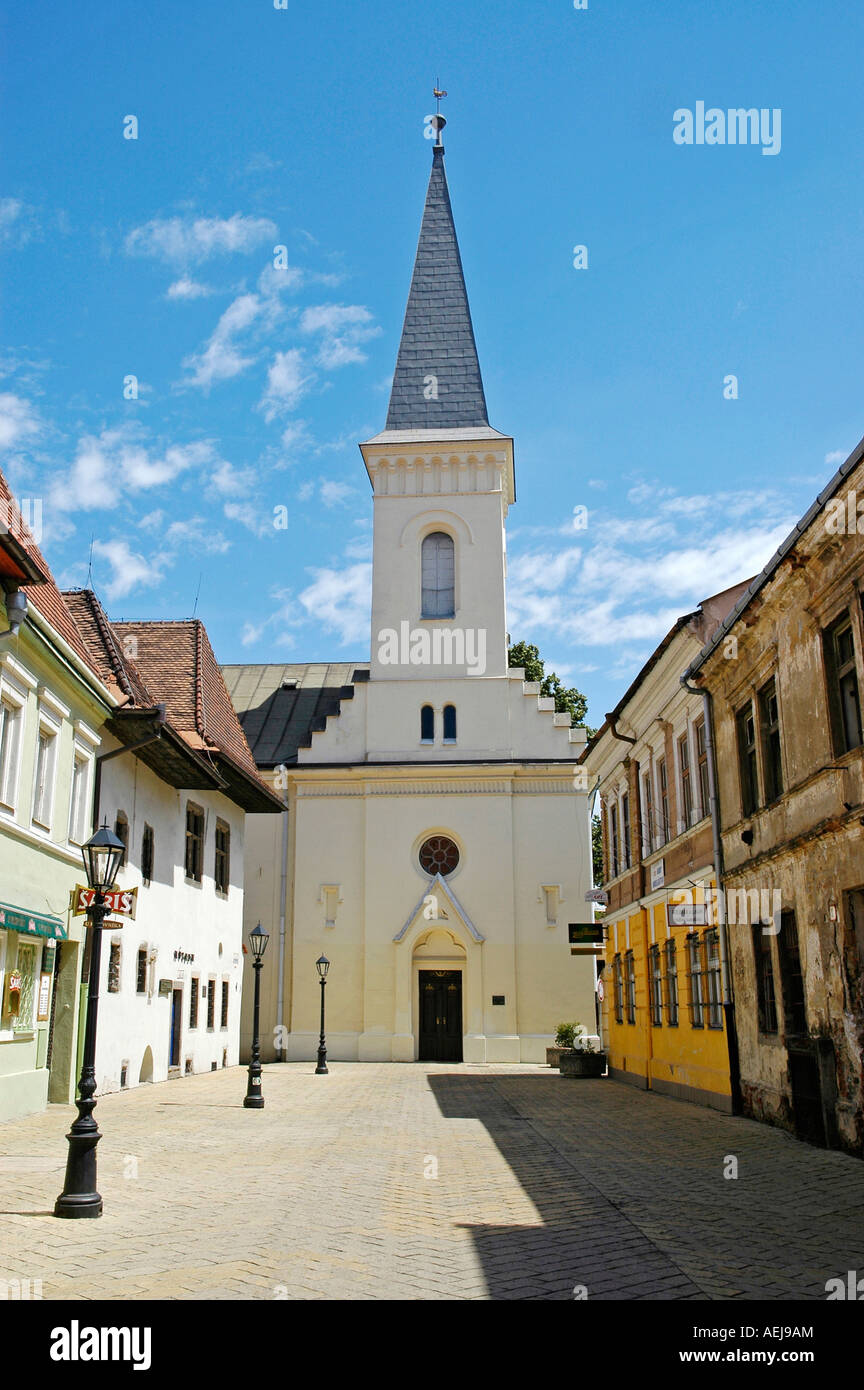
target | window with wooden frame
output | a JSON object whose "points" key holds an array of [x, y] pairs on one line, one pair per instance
{"points": [[194, 991], [11, 723], [791, 977], [697, 989], [647, 814], [211, 1004], [141, 971], [714, 978], [671, 983], [663, 784], [222, 866], [613, 839], [44, 777], [618, 988], [148, 850], [656, 976], [630, 967], [844, 706], [686, 783], [766, 1000], [223, 1022], [114, 959], [194, 842], [625, 831], [745, 725], [78, 805], [769, 727], [702, 762]]}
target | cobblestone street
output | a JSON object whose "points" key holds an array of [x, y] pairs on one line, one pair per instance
{"points": [[331, 1192]]}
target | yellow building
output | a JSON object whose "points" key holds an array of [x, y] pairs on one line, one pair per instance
{"points": [[665, 982]]}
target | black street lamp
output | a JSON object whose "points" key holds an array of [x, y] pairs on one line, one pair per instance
{"points": [[103, 855], [253, 1099], [323, 965]]}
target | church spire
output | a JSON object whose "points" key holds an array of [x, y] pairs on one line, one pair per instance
{"points": [[437, 382]]}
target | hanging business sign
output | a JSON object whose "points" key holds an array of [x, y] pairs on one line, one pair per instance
{"points": [[585, 934], [123, 901], [687, 914]]}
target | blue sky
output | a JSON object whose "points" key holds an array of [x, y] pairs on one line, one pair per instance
{"points": [[303, 127]]}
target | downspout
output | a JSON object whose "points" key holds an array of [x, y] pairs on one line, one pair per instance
{"points": [[283, 898], [714, 809], [130, 748]]}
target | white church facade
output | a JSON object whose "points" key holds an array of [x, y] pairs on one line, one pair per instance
{"points": [[434, 845]]}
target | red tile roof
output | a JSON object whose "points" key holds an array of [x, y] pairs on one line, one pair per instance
{"points": [[44, 594]]}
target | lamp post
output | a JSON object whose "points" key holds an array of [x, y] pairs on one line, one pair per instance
{"points": [[103, 855], [322, 965], [253, 1099]]}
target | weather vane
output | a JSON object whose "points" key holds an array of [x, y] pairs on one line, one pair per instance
{"points": [[438, 121]]}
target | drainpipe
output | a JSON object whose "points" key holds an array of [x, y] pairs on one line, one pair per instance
{"points": [[714, 809], [283, 898], [131, 748], [612, 720]]}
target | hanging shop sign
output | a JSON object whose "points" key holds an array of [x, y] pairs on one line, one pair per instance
{"points": [[585, 934], [123, 901], [31, 923]]}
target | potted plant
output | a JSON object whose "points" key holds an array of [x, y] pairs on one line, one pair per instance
{"points": [[564, 1036], [582, 1058]]}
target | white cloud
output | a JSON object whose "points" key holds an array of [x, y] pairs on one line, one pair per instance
{"points": [[129, 570], [230, 481], [114, 463], [18, 420], [836, 456], [288, 381], [185, 288], [183, 240], [340, 600], [256, 519], [221, 359], [342, 327], [332, 494], [17, 222]]}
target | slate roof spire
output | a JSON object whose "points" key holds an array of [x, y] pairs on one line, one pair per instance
{"points": [[437, 382]]}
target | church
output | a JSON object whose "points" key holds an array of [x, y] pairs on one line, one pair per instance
{"points": [[435, 843]]}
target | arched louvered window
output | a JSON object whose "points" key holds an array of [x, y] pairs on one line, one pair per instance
{"points": [[449, 723], [438, 576], [427, 724]]}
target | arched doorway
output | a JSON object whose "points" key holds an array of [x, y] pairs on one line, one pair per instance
{"points": [[146, 1072], [439, 963]]}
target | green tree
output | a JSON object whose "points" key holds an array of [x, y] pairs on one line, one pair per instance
{"points": [[570, 701], [597, 850]]}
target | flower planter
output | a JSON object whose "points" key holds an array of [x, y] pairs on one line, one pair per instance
{"points": [[574, 1063], [553, 1056]]}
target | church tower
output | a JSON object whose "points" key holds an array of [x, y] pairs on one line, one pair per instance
{"points": [[442, 479], [436, 842]]}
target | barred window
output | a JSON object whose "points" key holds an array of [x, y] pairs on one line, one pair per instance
{"points": [[141, 971], [618, 989], [631, 987], [671, 983], [211, 1003], [714, 979], [656, 986], [697, 994], [766, 999], [224, 1016], [193, 1002]]}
